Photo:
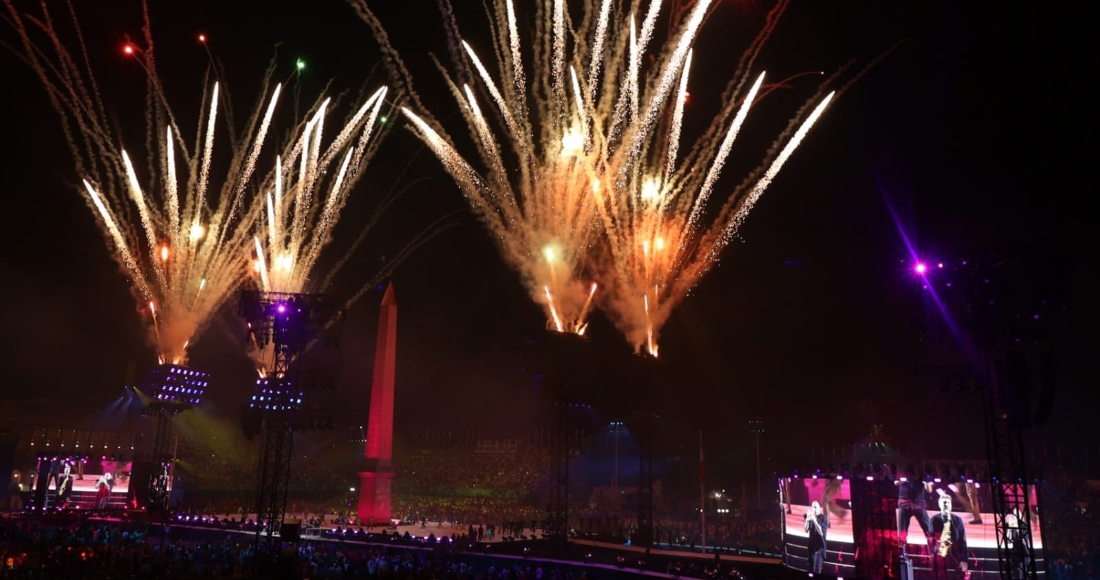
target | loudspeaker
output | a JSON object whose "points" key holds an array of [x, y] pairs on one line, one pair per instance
{"points": [[1030, 388], [291, 531], [141, 474], [251, 421]]}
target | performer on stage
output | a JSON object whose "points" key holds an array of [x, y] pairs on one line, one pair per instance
{"points": [[103, 487], [966, 491], [817, 525], [53, 474], [912, 496], [64, 487], [951, 552], [828, 497], [1017, 540]]}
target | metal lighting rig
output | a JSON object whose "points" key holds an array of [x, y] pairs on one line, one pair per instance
{"points": [[289, 329], [988, 328], [173, 389], [647, 429], [558, 356]]}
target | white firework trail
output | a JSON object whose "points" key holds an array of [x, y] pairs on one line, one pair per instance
{"points": [[187, 241], [550, 149], [301, 208], [663, 236], [602, 153]]}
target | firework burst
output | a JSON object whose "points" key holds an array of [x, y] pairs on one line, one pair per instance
{"points": [[185, 241], [302, 201], [305, 194], [662, 236], [548, 145], [592, 141]]}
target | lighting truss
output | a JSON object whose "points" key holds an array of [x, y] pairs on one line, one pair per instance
{"points": [[175, 388]]}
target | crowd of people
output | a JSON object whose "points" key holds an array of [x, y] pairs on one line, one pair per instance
{"points": [[1071, 527], [450, 510], [85, 550], [507, 491], [220, 477], [451, 473], [494, 489], [94, 550], [501, 490], [757, 533], [488, 496]]}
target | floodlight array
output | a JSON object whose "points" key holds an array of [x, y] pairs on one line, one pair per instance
{"points": [[276, 395], [177, 386], [287, 320]]}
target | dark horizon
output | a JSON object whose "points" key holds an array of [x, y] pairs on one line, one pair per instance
{"points": [[970, 131]]}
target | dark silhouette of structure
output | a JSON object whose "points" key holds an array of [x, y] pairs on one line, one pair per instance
{"points": [[990, 319], [291, 325], [173, 390]]}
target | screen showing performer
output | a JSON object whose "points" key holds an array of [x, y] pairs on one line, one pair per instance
{"points": [[817, 530], [940, 527], [80, 483]]}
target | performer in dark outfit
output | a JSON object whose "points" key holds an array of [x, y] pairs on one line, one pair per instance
{"points": [[951, 552], [912, 497], [817, 525], [53, 474], [64, 487]]}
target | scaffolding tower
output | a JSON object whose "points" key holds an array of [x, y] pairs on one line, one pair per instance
{"points": [[559, 358], [646, 429], [285, 327], [990, 319], [173, 390]]}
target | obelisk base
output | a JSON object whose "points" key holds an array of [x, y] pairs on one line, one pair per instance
{"points": [[375, 505]]}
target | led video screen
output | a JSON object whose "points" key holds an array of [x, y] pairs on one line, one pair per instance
{"points": [[87, 483], [817, 525], [937, 527]]}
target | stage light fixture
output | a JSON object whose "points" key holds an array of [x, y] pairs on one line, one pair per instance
{"points": [[176, 388], [276, 395]]}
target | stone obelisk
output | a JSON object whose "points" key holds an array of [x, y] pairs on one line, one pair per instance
{"points": [[376, 478]]}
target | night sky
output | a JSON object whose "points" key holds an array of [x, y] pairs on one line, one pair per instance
{"points": [[975, 131]]}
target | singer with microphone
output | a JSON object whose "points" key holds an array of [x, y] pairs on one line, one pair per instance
{"points": [[816, 524]]}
